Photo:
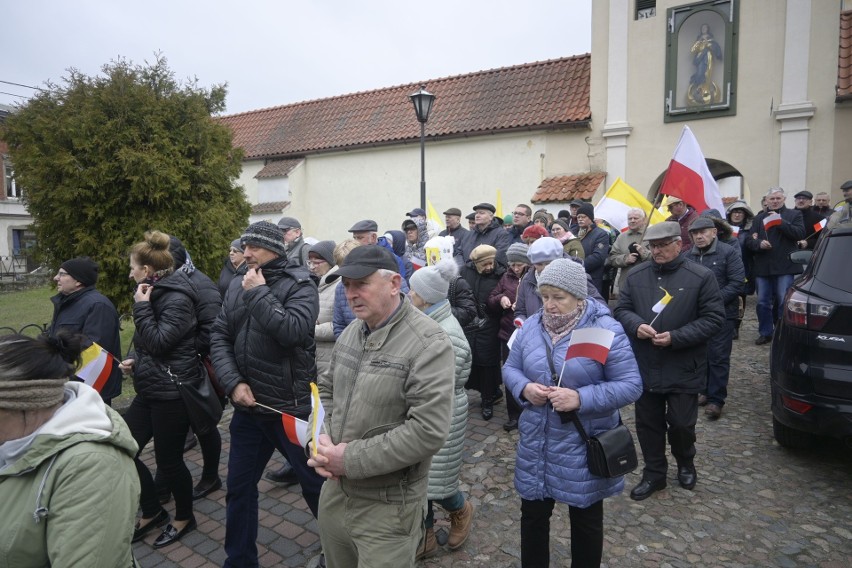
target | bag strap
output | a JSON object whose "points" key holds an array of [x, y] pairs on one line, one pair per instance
{"points": [[563, 415]]}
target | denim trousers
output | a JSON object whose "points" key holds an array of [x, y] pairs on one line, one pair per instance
{"points": [[586, 534], [253, 440], [167, 422], [770, 295]]}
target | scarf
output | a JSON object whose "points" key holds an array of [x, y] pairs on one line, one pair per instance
{"points": [[558, 326]]}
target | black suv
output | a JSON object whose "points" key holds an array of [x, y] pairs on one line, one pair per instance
{"points": [[811, 362]]}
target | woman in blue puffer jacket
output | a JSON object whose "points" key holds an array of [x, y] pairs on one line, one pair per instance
{"points": [[551, 463]]}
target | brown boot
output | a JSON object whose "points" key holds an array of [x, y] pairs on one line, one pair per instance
{"points": [[428, 545], [460, 523]]}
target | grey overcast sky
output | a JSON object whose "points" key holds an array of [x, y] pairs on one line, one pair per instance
{"points": [[279, 52]]}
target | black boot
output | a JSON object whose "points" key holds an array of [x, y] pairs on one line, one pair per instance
{"points": [[285, 475]]}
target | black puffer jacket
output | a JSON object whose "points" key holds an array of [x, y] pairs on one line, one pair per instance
{"points": [[264, 337], [694, 314], [165, 338], [462, 302], [228, 273], [207, 308], [494, 235], [484, 344], [783, 238], [725, 263]]}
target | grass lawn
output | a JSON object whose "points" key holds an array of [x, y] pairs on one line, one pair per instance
{"points": [[20, 309]]}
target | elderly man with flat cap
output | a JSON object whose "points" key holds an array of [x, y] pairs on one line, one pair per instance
{"points": [[296, 247], [670, 308], [80, 308], [683, 214], [487, 231], [843, 216], [726, 263], [388, 399], [262, 347], [452, 217], [810, 217]]}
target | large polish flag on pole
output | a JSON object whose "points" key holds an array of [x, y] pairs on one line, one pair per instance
{"points": [[689, 178]]}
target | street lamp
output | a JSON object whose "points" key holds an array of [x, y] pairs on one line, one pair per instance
{"points": [[423, 101]]}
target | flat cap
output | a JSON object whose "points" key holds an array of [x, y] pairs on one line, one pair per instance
{"points": [[804, 193], [363, 261], [289, 223], [487, 206], [470, 216], [664, 230], [367, 225], [701, 223], [416, 212], [847, 185], [453, 211]]}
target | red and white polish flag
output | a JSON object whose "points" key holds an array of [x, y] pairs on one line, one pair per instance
{"points": [[298, 431], [735, 231], [591, 342], [689, 178], [771, 220], [820, 226]]}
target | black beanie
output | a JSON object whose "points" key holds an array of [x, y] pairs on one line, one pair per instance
{"points": [[82, 269], [588, 210]]}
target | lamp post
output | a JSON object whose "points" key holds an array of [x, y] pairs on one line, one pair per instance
{"points": [[423, 101]]}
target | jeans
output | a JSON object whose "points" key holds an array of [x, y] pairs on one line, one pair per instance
{"points": [[167, 422], [586, 534], [252, 442], [719, 363], [450, 504], [770, 294]]}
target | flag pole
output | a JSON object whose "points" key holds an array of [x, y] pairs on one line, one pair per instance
{"points": [[559, 384], [268, 407]]}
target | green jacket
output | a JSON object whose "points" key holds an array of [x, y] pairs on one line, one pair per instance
{"points": [[71, 498], [389, 395]]}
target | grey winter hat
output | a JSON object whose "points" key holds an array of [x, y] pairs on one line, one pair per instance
{"points": [[544, 249], [664, 230], [265, 235], [324, 250], [517, 252], [702, 223], [566, 275], [236, 244], [433, 282], [289, 223]]}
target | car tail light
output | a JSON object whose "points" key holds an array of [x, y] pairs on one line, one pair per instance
{"points": [[795, 405], [801, 310]]}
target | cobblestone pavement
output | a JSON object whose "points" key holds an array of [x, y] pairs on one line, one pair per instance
{"points": [[756, 504]]}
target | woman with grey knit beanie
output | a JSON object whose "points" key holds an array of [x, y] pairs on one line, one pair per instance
{"points": [[429, 287], [551, 463], [68, 486]]}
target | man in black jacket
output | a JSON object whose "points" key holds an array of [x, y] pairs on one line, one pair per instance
{"points": [[80, 308], [810, 218], [669, 308], [727, 266], [596, 245], [263, 353], [774, 235], [488, 231]]}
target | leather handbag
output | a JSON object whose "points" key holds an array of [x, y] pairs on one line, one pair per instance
{"points": [[201, 402], [608, 454]]}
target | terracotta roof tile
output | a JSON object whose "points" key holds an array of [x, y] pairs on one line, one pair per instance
{"points": [[844, 60], [545, 94], [278, 168], [270, 207], [561, 189]]}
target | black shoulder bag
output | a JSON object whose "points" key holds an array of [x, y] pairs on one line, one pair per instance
{"points": [[609, 454], [201, 401]]}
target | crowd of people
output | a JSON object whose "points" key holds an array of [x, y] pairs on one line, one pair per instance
{"points": [[394, 341]]}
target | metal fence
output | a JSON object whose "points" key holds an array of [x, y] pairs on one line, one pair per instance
{"points": [[30, 329]]}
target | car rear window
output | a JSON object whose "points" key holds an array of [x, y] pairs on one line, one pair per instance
{"points": [[836, 255]]}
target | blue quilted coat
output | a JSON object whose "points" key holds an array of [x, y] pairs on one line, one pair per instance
{"points": [[551, 460]]}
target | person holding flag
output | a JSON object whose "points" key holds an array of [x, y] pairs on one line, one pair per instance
{"points": [[262, 347], [774, 235], [571, 356], [740, 217], [670, 308], [79, 307]]}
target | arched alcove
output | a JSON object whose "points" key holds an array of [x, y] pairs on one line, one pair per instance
{"points": [[732, 184]]}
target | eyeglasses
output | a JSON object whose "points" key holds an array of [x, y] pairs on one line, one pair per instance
{"points": [[61, 273], [519, 213], [316, 262], [660, 245]]}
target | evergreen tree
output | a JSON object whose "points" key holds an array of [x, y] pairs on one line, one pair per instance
{"points": [[105, 158]]}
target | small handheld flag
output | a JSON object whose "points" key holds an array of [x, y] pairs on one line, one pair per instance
{"points": [[659, 306], [735, 231], [771, 220], [95, 367], [820, 226], [592, 342], [298, 431], [318, 416]]}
